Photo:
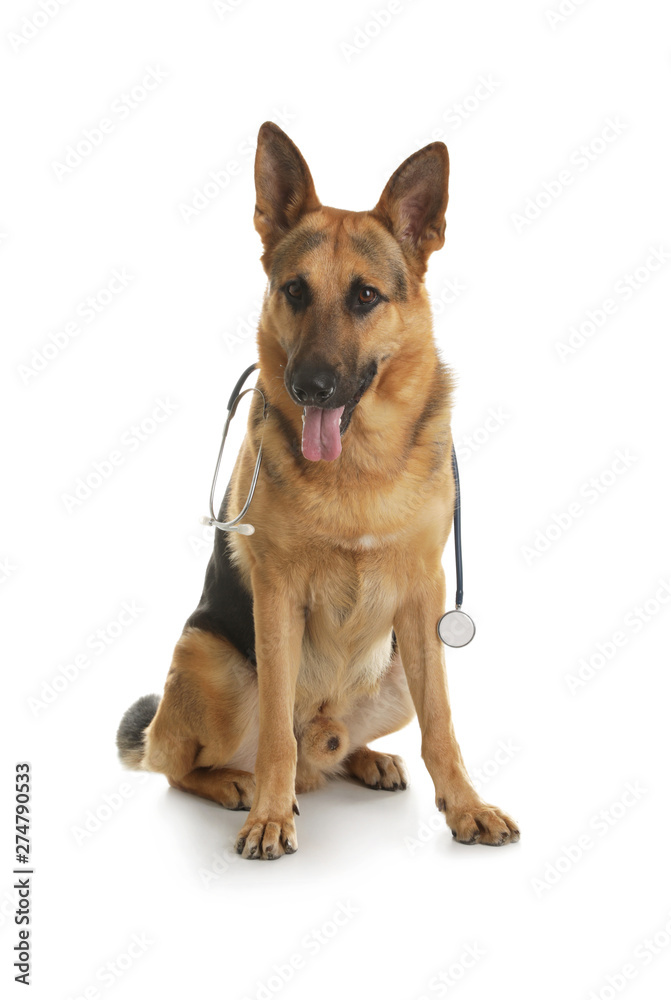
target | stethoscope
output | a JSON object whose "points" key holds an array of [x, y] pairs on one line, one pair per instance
{"points": [[455, 628], [236, 396]]}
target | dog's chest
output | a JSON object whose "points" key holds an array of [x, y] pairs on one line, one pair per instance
{"points": [[348, 623]]}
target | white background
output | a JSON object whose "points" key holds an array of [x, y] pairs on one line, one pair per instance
{"points": [[357, 99]]}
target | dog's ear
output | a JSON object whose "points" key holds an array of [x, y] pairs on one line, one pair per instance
{"points": [[413, 204], [284, 186]]}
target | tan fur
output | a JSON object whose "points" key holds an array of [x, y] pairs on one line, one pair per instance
{"points": [[343, 551]]}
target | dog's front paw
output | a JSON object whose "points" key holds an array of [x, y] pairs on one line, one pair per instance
{"points": [[267, 836], [479, 823]]}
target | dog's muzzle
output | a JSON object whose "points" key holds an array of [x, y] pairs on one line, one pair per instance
{"points": [[328, 403]]}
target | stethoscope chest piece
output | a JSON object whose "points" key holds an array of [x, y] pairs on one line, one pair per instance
{"points": [[456, 628]]}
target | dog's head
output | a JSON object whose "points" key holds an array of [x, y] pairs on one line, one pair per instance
{"points": [[342, 285]]}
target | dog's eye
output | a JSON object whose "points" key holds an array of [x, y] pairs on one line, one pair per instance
{"points": [[367, 296], [294, 290]]}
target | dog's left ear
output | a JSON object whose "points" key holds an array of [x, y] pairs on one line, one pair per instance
{"points": [[413, 204], [284, 186]]}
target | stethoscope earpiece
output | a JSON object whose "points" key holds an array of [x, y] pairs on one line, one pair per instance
{"points": [[239, 529]]}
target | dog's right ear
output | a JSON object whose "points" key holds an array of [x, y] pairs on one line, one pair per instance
{"points": [[284, 185]]}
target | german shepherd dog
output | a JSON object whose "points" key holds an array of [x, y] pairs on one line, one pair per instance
{"points": [[317, 633]]}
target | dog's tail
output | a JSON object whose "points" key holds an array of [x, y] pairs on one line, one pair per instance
{"points": [[130, 734]]}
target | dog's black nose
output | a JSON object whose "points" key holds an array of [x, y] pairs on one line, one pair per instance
{"points": [[313, 386]]}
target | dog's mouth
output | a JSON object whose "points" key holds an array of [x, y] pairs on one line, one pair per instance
{"points": [[324, 427]]}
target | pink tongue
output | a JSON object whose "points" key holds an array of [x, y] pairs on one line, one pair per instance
{"points": [[321, 433]]}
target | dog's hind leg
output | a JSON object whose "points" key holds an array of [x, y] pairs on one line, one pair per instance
{"points": [[208, 714], [229, 787], [386, 712]]}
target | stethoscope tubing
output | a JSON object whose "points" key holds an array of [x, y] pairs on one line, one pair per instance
{"points": [[248, 529]]}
